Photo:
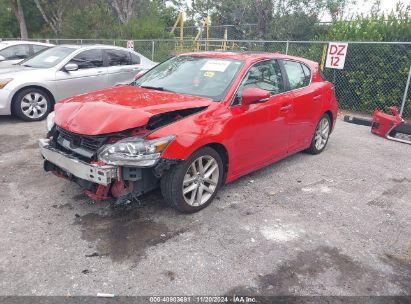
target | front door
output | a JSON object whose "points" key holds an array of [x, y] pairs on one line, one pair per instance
{"points": [[261, 132], [90, 76]]}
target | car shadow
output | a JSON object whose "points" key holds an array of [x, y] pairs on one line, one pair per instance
{"points": [[10, 119]]}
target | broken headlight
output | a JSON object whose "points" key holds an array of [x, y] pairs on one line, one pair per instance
{"points": [[50, 121], [134, 151]]}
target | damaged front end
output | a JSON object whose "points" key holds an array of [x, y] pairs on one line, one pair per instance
{"points": [[121, 165]]}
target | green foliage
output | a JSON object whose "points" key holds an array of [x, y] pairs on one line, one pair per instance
{"points": [[378, 27], [8, 23], [373, 74], [143, 28]]}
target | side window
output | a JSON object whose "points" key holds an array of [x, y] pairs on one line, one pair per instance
{"points": [[298, 74], [16, 52], [135, 59], [265, 75], [89, 59], [118, 57], [38, 48]]}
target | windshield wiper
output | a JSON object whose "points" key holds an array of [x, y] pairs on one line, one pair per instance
{"points": [[26, 65], [153, 88]]}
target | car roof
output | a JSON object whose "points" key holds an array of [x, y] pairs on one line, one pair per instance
{"points": [[93, 46], [249, 56], [17, 42]]}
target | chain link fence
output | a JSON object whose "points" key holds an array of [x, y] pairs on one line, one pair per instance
{"points": [[374, 76]]}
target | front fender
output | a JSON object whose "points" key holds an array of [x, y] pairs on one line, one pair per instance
{"points": [[193, 132]]}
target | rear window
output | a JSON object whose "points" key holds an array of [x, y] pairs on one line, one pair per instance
{"points": [[135, 59], [299, 74], [118, 57]]}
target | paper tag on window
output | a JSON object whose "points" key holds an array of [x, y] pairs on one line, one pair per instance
{"points": [[216, 65], [51, 59]]}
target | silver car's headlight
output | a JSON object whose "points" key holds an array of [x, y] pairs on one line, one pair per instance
{"points": [[50, 121], [4, 82], [134, 151]]}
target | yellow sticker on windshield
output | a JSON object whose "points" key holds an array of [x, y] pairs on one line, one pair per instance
{"points": [[209, 74]]}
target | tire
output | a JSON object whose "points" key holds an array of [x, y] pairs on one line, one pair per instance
{"points": [[186, 175], [32, 104], [322, 132]]}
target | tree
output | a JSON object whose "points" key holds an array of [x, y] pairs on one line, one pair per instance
{"points": [[124, 9], [53, 13], [19, 13]]}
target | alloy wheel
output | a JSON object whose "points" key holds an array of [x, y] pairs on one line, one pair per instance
{"points": [[200, 180], [321, 133], [34, 105]]}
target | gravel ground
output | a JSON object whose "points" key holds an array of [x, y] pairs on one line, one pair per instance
{"points": [[333, 224]]}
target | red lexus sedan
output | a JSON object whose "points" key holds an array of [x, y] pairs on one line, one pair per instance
{"points": [[189, 125]]}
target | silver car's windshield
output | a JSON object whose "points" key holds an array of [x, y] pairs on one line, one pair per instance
{"points": [[193, 75], [3, 45], [49, 58]]}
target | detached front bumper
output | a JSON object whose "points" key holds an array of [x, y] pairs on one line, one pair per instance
{"points": [[102, 175]]}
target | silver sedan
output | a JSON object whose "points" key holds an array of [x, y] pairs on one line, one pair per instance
{"points": [[29, 90]]}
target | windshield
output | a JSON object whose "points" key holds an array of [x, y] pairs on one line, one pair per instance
{"points": [[201, 76], [49, 58], [3, 45]]}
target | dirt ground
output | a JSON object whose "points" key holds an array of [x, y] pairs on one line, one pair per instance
{"points": [[333, 224]]}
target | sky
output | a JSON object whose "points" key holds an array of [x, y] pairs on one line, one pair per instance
{"points": [[364, 6]]}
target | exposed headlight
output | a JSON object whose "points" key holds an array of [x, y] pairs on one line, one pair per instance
{"points": [[134, 151], [4, 82], [50, 121]]}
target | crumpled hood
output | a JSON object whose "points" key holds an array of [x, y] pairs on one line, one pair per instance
{"points": [[119, 108]]}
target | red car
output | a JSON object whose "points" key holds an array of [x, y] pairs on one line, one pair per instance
{"points": [[189, 125]]}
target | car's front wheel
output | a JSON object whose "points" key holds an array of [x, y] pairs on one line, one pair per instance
{"points": [[32, 104], [191, 185]]}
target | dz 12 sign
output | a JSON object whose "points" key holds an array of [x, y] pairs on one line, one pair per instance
{"points": [[336, 55]]}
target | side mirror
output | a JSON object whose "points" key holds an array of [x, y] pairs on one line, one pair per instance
{"points": [[139, 74], [253, 95], [2, 58], [69, 67]]}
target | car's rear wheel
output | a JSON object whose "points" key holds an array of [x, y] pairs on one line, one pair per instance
{"points": [[321, 135], [191, 185], [32, 104]]}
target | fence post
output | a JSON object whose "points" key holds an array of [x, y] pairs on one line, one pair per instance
{"points": [[152, 50], [286, 47], [404, 99]]}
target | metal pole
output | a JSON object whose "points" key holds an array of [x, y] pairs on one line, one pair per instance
{"points": [[152, 50], [405, 92], [286, 48]]}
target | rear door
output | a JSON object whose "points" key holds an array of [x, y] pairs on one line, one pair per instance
{"points": [[122, 66], [90, 76], [306, 104]]}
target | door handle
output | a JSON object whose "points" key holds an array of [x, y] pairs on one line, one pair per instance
{"points": [[286, 108], [100, 72], [317, 98], [126, 70]]}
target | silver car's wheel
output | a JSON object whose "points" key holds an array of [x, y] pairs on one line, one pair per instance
{"points": [[201, 180], [34, 105], [321, 133]]}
